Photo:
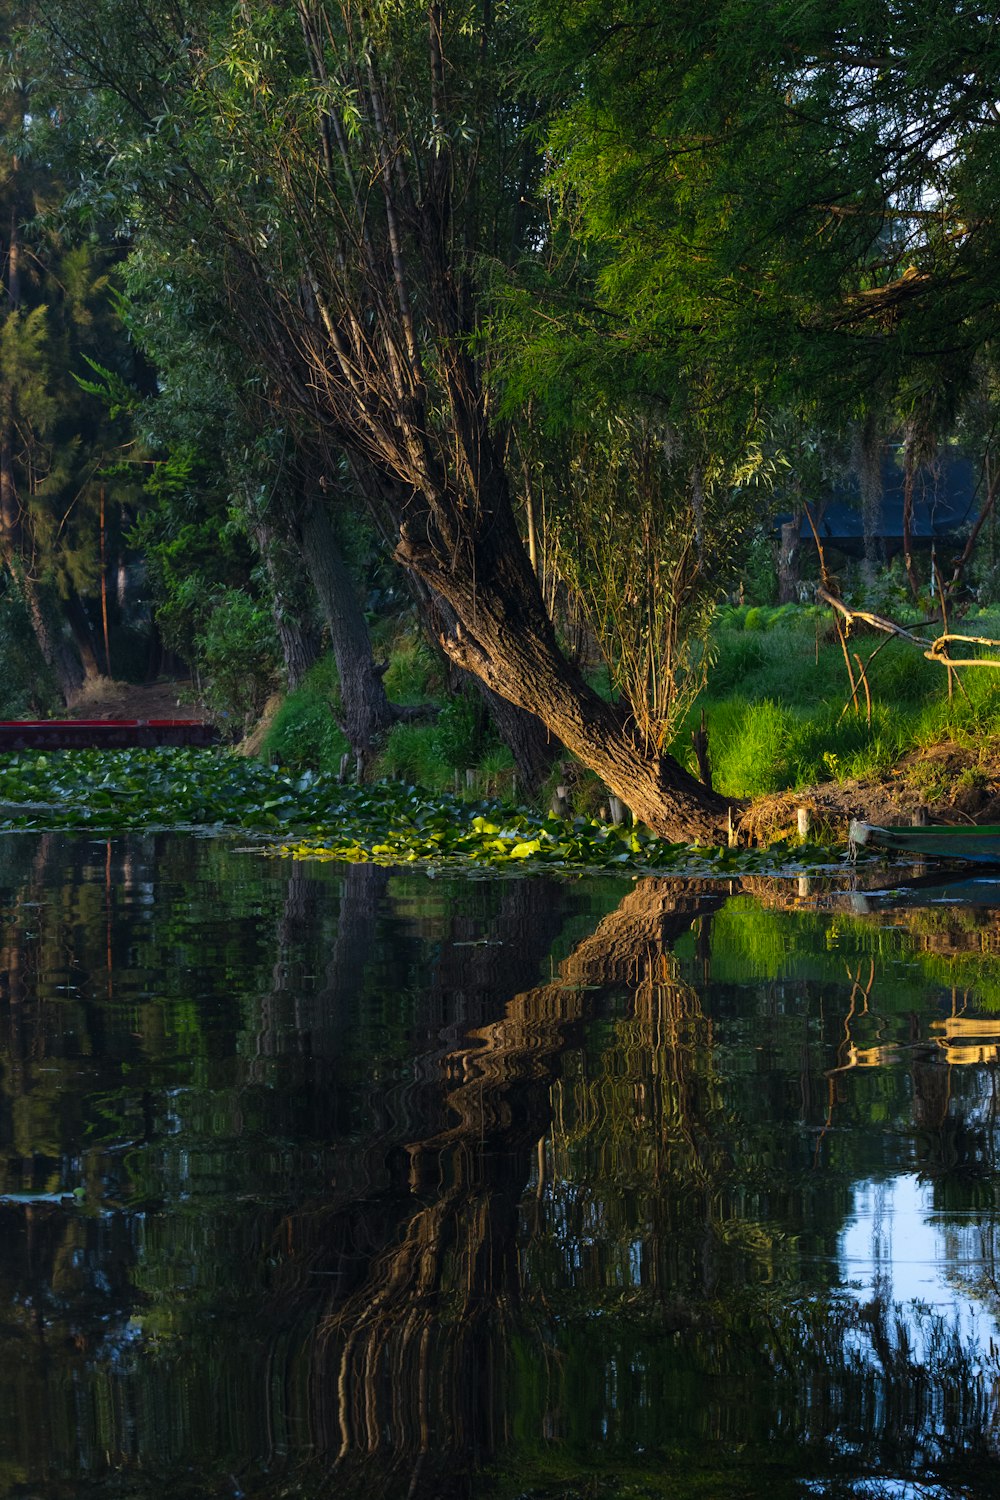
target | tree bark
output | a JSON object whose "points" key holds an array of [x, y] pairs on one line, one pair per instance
{"points": [[366, 713], [299, 644], [83, 636], [789, 548], [503, 636]]}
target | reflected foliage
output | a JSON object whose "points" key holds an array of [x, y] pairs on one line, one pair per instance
{"points": [[321, 1181]]}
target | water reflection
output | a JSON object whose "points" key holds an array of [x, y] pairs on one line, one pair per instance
{"points": [[320, 1182]]}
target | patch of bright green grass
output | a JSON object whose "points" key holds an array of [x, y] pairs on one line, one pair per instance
{"points": [[775, 701]]}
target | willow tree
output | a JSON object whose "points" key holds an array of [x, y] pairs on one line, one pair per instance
{"points": [[343, 169]]}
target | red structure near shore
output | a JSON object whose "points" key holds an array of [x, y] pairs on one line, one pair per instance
{"points": [[103, 734]]}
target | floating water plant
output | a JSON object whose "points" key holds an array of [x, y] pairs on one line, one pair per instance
{"points": [[310, 815]]}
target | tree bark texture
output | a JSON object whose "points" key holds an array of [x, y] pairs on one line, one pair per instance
{"points": [[532, 745], [299, 643], [503, 636], [366, 713], [789, 548]]}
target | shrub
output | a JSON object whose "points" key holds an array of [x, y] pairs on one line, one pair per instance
{"points": [[237, 654], [304, 733], [27, 687], [413, 754], [461, 731]]}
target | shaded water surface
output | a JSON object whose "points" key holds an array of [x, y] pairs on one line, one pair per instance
{"points": [[323, 1182]]}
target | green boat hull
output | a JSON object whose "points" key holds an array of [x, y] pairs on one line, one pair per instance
{"points": [[978, 846]]}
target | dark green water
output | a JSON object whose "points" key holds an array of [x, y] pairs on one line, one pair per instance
{"points": [[335, 1182]]}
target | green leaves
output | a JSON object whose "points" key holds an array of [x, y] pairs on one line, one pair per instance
{"points": [[312, 816]]}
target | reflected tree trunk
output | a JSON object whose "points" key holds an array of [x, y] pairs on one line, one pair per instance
{"points": [[420, 1347]]}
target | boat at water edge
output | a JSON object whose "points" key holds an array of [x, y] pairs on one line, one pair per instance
{"points": [[972, 845]]}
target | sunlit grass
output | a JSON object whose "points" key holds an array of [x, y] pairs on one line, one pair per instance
{"points": [[779, 711]]}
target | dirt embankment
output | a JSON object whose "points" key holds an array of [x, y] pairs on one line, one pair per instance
{"points": [[103, 698], [945, 783]]}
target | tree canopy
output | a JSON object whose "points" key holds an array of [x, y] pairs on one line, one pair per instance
{"points": [[611, 250]]}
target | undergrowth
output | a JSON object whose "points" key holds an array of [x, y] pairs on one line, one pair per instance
{"points": [[436, 754], [777, 706], [779, 711]]}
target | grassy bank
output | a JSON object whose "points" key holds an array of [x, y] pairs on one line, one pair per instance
{"points": [[774, 707], [777, 703], [455, 750]]}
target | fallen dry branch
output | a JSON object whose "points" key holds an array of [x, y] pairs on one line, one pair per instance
{"points": [[933, 650]]}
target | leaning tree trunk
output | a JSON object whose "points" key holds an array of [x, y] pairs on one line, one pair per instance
{"points": [[503, 636]]}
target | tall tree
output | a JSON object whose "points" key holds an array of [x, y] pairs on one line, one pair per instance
{"points": [[61, 530], [805, 196], [371, 154]]}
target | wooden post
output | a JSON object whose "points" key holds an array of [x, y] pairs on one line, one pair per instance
{"points": [[699, 739], [802, 817]]}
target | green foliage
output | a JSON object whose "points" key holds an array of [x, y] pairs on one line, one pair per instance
{"points": [[312, 816], [192, 542], [415, 672], [304, 734], [412, 753], [775, 702], [461, 731], [239, 654], [27, 689]]}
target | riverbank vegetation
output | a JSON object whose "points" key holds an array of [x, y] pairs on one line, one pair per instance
{"points": [[777, 709], [316, 817], [447, 370]]}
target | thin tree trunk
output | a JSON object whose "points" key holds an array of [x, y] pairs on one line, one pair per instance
{"points": [[366, 713], [789, 549], [909, 476], [56, 653], [83, 636], [300, 646]]}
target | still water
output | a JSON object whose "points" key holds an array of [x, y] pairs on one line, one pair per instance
{"points": [[331, 1181]]}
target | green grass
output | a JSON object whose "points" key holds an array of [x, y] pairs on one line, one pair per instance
{"points": [[433, 754], [774, 706], [304, 734], [775, 701]]}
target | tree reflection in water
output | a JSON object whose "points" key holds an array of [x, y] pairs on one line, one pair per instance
{"points": [[422, 1348], [370, 1210]]}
